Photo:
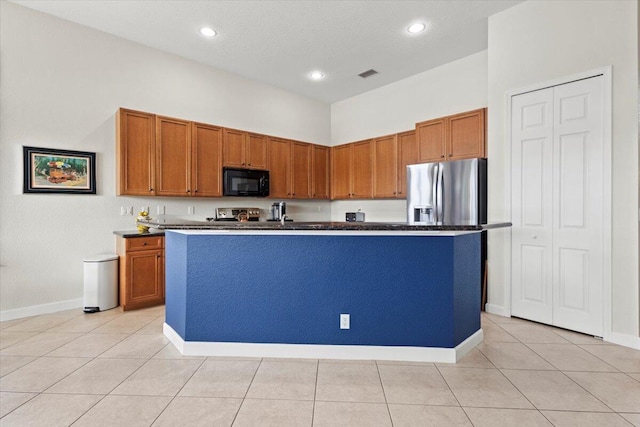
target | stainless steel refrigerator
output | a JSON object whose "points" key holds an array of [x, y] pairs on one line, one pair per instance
{"points": [[447, 193]]}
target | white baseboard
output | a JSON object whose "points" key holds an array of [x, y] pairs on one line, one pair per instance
{"points": [[315, 351], [36, 310], [497, 309], [624, 340]]}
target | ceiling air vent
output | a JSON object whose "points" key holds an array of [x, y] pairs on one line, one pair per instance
{"points": [[368, 73]]}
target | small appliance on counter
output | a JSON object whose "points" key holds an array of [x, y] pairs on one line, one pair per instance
{"points": [[278, 211], [236, 214], [354, 216]]}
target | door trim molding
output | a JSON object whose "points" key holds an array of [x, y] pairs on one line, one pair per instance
{"points": [[606, 73]]}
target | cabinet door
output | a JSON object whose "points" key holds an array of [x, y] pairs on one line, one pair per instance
{"points": [[300, 170], [320, 176], [362, 170], [135, 153], [233, 148], [173, 157], [145, 279], [341, 172], [431, 140], [256, 151], [279, 168], [466, 135], [206, 161], [407, 155], [385, 167]]}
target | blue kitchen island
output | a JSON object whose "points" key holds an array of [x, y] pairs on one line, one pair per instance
{"points": [[411, 292]]}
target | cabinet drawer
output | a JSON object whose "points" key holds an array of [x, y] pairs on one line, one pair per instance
{"points": [[144, 243]]}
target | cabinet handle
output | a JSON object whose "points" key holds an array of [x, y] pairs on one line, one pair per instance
{"points": [[249, 164], [188, 191], [196, 190], [144, 243], [150, 189], [450, 154], [442, 156], [243, 164]]}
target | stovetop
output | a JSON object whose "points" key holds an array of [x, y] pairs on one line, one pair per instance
{"points": [[236, 214]]}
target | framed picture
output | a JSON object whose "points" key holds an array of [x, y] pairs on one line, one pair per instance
{"points": [[47, 170]]}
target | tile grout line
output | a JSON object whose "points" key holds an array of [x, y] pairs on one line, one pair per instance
{"points": [[315, 394], [246, 392], [181, 387], [384, 394]]}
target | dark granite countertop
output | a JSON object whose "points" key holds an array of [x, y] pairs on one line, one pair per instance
{"points": [[135, 233], [179, 224]]}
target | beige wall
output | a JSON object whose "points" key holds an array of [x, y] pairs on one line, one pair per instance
{"points": [[539, 41], [61, 85], [458, 86]]}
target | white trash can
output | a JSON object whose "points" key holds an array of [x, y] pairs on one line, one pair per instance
{"points": [[100, 282]]}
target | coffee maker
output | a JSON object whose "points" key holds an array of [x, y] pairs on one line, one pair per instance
{"points": [[278, 210]]}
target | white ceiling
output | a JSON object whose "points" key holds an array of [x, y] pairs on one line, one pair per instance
{"points": [[280, 42]]}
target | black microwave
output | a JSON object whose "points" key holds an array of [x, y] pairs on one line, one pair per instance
{"points": [[245, 182]]}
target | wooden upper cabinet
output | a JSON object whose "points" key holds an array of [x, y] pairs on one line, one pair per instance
{"points": [[461, 136], [431, 140], [244, 150], [279, 168], [135, 153], [256, 151], [320, 175], [407, 155], [467, 135], [206, 160], [352, 170], [233, 148], [385, 167], [362, 169], [341, 172], [300, 170], [173, 157]]}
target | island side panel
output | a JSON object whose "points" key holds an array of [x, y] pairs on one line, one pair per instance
{"points": [[466, 285], [176, 281], [398, 290]]}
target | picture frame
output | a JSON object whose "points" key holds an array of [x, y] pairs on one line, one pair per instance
{"points": [[48, 170]]}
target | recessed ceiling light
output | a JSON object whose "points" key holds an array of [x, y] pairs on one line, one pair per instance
{"points": [[316, 75], [207, 32], [416, 28]]}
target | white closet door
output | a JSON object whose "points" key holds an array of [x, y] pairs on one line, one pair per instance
{"points": [[578, 206], [531, 205], [557, 205]]}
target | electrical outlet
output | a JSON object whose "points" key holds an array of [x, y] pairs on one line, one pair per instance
{"points": [[123, 210], [129, 210], [160, 210], [345, 321], [191, 210]]}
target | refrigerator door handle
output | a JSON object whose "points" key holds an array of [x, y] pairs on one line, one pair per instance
{"points": [[439, 192]]}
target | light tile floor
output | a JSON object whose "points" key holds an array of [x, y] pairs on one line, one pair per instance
{"points": [[117, 369]]}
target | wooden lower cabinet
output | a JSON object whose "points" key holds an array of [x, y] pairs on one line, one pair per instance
{"points": [[141, 271]]}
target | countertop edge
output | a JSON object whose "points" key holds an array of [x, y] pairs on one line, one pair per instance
{"points": [[158, 227]]}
